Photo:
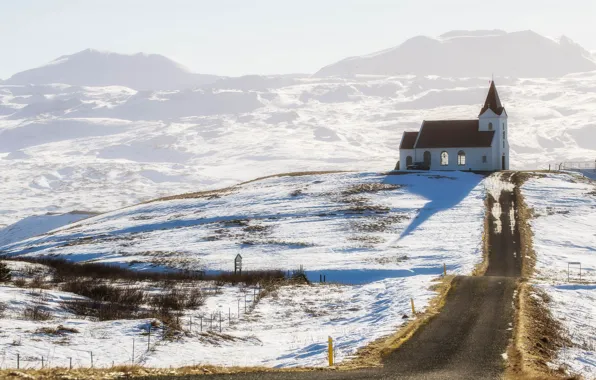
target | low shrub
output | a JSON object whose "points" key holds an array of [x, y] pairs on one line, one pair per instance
{"points": [[105, 292], [36, 313], [5, 274]]}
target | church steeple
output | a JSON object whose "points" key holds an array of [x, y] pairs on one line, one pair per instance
{"points": [[492, 101]]}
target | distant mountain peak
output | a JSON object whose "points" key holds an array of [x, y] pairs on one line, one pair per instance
{"points": [[93, 67], [470, 54], [472, 33]]}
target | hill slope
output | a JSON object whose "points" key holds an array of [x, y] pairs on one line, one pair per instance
{"points": [[327, 222], [96, 68], [469, 54]]}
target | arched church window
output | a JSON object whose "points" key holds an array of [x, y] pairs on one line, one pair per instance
{"points": [[461, 158], [408, 161], [427, 158], [490, 126], [444, 158]]}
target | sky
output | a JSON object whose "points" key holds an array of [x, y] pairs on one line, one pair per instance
{"points": [[238, 37]]}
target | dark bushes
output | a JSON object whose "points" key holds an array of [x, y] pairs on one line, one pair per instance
{"points": [[177, 300], [65, 270], [5, 275], [36, 313], [105, 292]]}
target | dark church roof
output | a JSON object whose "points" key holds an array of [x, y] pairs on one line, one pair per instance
{"points": [[492, 101], [408, 140], [448, 134]]}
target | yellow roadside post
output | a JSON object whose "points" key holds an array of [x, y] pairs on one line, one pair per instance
{"points": [[444, 270], [413, 309], [330, 351]]}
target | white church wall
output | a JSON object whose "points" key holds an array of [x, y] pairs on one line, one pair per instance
{"points": [[403, 158], [474, 158]]}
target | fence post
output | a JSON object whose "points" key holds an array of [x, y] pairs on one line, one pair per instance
{"points": [[70, 363], [133, 351], [330, 351], [444, 270], [149, 337], [18, 361], [413, 308], [42, 362], [91, 352]]}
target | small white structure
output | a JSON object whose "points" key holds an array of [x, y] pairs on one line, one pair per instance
{"points": [[480, 144]]}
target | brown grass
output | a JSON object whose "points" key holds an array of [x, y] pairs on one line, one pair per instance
{"points": [[129, 371], [213, 194], [373, 354], [481, 267]]}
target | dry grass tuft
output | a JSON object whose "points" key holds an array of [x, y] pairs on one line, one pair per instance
{"points": [[369, 188], [59, 330]]}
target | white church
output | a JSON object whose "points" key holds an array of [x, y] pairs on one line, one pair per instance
{"points": [[480, 144]]}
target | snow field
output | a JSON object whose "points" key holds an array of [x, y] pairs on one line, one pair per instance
{"points": [[379, 239], [563, 225]]}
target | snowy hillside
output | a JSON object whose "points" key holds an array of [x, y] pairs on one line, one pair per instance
{"points": [[97, 68], [476, 53], [324, 222], [379, 240], [564, 223]]}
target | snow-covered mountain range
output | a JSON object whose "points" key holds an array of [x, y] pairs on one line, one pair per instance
{"points": [[83, 133], [477, 53], [101, 68]]}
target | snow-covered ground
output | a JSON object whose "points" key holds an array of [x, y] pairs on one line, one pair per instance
{"points": [[38, 224], [379, 239], [564, 232], [333, 222], [65, 148]]}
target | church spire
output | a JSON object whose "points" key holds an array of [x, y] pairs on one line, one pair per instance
{"points": [[492, 101]]}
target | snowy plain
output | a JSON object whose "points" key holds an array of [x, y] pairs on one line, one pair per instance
{"points": [[379, 239], [564, 226]]}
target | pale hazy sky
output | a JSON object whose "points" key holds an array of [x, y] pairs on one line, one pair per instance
{"points": [[236, 37]]}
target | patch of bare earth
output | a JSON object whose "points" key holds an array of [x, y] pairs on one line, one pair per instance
{"points": [[537, 336]]}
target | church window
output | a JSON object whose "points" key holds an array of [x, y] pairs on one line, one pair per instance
{"points": [[408, 161], [444, 158], [490, 126], [426, 157], [484, 159], [461, 158]]}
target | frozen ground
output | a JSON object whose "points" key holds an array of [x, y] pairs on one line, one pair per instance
{"points": [[65, 148], [564, 232], [380, 240]]}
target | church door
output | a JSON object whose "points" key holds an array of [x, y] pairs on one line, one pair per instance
{"points": [[426, 157]]}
